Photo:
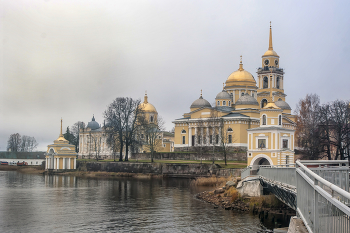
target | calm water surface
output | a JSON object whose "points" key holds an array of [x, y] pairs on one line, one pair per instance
{"points": [[35, 203]]}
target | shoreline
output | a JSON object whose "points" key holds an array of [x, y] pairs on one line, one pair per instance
{"points": [[241, 204]]}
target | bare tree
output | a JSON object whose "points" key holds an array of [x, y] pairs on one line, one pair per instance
{"points": [[28, 143], [308, 132], [120, 118], [152, 132], [223, 136], [14, 142], [96, 145], [75, 129], [339, 127]]}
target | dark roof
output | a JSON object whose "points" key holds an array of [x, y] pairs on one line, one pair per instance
{"points": [[236, 115], [93, 125], [224, 108], [270, 128], [200, 103], [22, 155]]}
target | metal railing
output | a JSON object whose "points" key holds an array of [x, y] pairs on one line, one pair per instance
{"points": [[280, 173], [322, 205], [245, 172], [323, 196]]}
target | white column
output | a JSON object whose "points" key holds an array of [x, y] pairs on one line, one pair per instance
{"points": [[69, 163], [195, 136], [46, 167], [207, 141], [54, 163], [58, 163], [75, 163], [64, 163], [201, 137], [189, 136]]}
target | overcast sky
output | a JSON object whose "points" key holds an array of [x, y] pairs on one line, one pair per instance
{"points": [[70, 58]]}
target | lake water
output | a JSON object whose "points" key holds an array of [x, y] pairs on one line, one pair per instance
{"points": [[36, 203]]}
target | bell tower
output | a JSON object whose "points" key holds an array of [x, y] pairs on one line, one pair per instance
{"points": [[270, 77]]}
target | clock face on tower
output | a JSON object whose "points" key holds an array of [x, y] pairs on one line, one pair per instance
{"points": [[266, 62], [276, 62]]}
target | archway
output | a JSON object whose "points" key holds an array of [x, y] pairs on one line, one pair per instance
{"points": [[260, 159]]}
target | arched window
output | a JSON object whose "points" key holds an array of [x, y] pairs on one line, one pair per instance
{"points": [[151, 119], [278, 83], [279, 120], [263, 103], [264, 120], [242, 94], [218, 103], [229, 103], [183, 131], [229, 130], [266, 82], [279, 99], [224, 103]]}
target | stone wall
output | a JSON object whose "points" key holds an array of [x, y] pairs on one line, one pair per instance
{"points": [[242, 156], [165, 169]]}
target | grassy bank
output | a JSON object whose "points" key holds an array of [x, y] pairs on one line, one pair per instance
{"points": [[23, 169]]}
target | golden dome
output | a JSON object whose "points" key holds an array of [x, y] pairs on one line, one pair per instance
{"points": [[241, 75], [147, 107], [271, 106], [270, 53]]}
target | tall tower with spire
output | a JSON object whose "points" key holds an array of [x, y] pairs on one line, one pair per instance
{"points": [[270, 77]]}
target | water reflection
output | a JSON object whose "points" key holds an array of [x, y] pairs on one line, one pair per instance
{"points": [[32, 203]]}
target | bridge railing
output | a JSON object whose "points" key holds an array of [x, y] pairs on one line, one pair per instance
{"points": [[281, 173], [245, 172], [322, 205]]}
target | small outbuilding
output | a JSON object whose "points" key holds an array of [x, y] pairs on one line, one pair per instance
{"points": [[61, 155]]}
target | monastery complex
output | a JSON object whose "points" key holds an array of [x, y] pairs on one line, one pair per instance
{"points": [[250, 114]]}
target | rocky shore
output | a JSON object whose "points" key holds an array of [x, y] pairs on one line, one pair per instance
{"points": [[228, 197]]}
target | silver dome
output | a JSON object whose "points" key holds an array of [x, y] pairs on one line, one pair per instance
{"points": [[283, 105], [247, 100], [93, 124], [223, 95], [199, 103]]}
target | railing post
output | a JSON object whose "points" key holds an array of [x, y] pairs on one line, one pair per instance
{"points": [[316, 229]]}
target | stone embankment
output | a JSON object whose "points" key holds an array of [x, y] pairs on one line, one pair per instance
{"points": [[188, 170]]}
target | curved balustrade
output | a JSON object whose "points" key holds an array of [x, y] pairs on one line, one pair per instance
{"points": [[322, 187]]}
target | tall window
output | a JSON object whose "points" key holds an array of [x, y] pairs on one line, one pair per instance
{"points": [[199, 140], [218, 103], [242, 94], [217, 139], [230, 138], [264, 120], [278, 82], [151, 119], [280, 120], [263, 103], [285, 143], [229, 103], [265, 82], [210, 139], [224, 103], [183, 139]]}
